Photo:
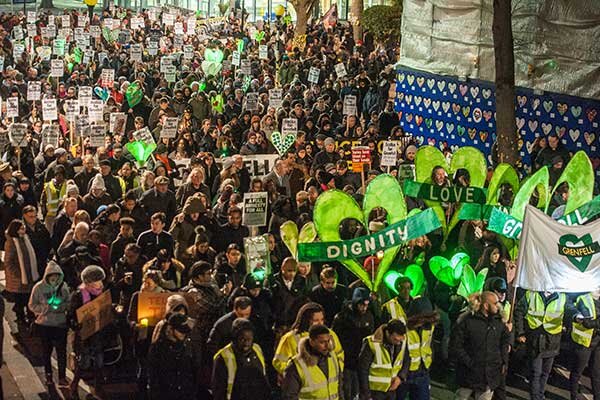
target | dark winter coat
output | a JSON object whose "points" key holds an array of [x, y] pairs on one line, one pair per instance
{"points": [[171, 370]]}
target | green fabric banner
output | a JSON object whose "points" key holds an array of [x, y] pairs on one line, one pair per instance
{"points": [[507, 225], [452, 194], [470, 211], [394, 235]]}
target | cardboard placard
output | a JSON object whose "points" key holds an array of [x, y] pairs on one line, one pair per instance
{"points": [[95, 315], [82, 125], [57, 68], [84, 95], [256, 250], [389, 157], [137, 23], [255, 209], [12, 107], [117, 123], [97, 134], [169, 129], [50, 135], [275, 97], [340, 70], [252, 101], [16, 135], [49, 110], [152, 306], [144, 135], [350, 105], [289, 125], [108, 77], [34, 90], [95, 110], [18, 49], [71, 110], [188, 52], [263, 52], [245, 67], [313, 75], [235, 58]]}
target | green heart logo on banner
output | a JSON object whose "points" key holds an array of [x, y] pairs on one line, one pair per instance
{"points": [[334, 206], [259, 36], [213, 55], [282, 143], [141, 151], [569, 244]]}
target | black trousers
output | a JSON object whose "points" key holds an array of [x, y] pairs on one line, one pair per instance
{"points": [[582, 357], [54, 338]]}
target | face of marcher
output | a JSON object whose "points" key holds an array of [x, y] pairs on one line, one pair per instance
{"points": [[321, 344], [244, 341]]}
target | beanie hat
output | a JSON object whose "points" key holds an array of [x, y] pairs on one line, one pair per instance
{"points": [[92, 273], [72, 188], [199, 268], [193, 205], [360, 295], [98, 183], [419, 306], [201, 236], [251, 282], [240, 325]]}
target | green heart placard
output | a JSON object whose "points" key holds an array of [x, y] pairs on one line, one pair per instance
{"points": [[291, 237], [414, 273], [282, 143], [449, 271], [569, 244], [141, 151], [213, 55], [334, 206], [259, 36]]}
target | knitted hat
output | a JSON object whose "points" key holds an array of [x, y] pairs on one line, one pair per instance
{"points": [[98, 183], [92, 273], [360, 295], [60, 152], [193, 205], [72, 188], [199, 268], [201, 236]]}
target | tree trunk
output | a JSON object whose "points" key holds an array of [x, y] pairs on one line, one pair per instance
{"points": [[46, 4], [357, 9], [301, 19], [506, 129]]}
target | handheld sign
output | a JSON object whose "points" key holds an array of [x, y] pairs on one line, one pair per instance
{"points": [[245, 67], [57, 68], [289, 126], [95, 110], [50, 135], [263, 52], [97, 133], [16, 135], [144, 135], [275, 97], [313, 75], [108, 77], [12, 107], [255, 209], [340, 70], [169, 129], [389, 157], [71, 110], [49, 111], [95, 315], [235, 58], [252, 101], [350, 105], [117, 123], [34, 90], [84, 95]]}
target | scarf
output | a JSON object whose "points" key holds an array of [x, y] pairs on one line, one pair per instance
{"points": [[87, 293], [35, 276]]}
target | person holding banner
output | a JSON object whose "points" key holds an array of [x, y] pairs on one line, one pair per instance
{"points": [[539, 323], [585, 333]]}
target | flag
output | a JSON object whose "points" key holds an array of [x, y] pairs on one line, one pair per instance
{"points": [[330, 18], [556, 257]]}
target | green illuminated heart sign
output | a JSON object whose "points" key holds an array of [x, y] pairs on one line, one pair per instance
{"points": [[282, 143], [578, 250], [141, 151], [449, 271], [414, 273]]}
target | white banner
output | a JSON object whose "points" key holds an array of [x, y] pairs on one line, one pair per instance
{"points": [[558, 258]]}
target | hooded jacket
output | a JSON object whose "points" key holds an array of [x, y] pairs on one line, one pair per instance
{"points": [[50, 314], [173, 302]]}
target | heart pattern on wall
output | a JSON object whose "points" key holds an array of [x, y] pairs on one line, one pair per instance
{"points": [[443, 111]]}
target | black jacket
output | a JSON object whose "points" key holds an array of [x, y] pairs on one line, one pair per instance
{"points": [[227, 234], [250, 381], [480, 346], [171, 370], [331, 301], [153, 202], [287, 302], [40, 240], [220, 334], [351, 328], [61, 226], [151, 243]]}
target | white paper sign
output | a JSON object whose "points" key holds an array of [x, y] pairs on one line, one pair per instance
{"points": [[245, 67], [289, 125], [169, 129], [235, 58], [135, 52], [255, 209], [170, 73], [82, 125], [137, 23], [16, 135], [389, 156], [263, 52], [108, 77], [65, 21], [275, 97], [117, 123], [57, 68], [49, 110], [50, 134], [144, 135], [340, 70], [188, 52], [313, 75], [95, 110], [350, 105], [71, 110], [31, 17], [34, 90], [168, 19], [12, 107], [252, 101], [84, 95], [97, 133]]}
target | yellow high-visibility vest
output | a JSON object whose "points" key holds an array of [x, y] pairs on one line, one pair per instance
{"points": [[419, 348], [315, 385], [551, 316], [383, 368], [230, 363], [580, 334], [54, 196], [288, 348], [395, 310]]}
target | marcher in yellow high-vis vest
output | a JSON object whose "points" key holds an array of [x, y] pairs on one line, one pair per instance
{"points": [[308, 315], [53, 193], [240, 366], [420, 326], [395, 308], [586, 335], [538, 322], [381, 366], [315, 372]]}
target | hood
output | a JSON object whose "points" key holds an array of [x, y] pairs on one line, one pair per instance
{"points": [[174, 301], [309, 358], [53, 268], [378, 335], [193, 205]]}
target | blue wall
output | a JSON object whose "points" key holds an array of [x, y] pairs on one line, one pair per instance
{"points": [[440, 110]]}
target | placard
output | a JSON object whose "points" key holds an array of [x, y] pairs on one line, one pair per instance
{"points": [[71, 110], [102, 56], [350, 105], [235, 58], [49, 110], [188, 52], [97, 134], [169, 129], [258, 256], [82, 20], [17, 32], [170, 73], [152, 48], [34, 90], [57, 68], [275, 97], [117, 123], [95, 31], [84, 95], [313, 75], [82, 125], [178, 28], [44, 52], [340, 70], [389, 157], [168, 19], [245, 67], [108, 77], [95, 110], [50, 135], [31, 30], [137, 23], [361, 155], [31, 17], [252, 101], [165, 62], [144, 135], [289, 125], [191, 25], [1, 63], [263, 52], [65, 21], [255, 209], [16, 135], [58, 47], [406, 172], [135, 52], [12, 107], [152, 306], [95, 315]]}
